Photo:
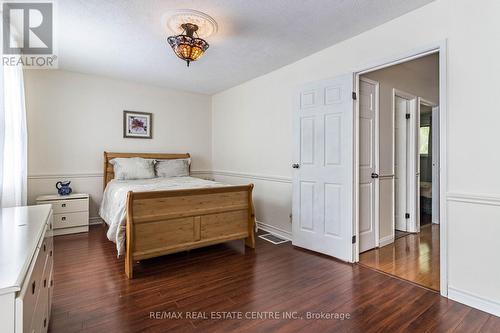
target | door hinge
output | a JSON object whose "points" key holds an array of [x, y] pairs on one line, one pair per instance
{"points": [[354, 239], [354, 96], [407, 116], [407, 215]]}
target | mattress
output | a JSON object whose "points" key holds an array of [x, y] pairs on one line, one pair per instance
{"points": [[113, 205]]}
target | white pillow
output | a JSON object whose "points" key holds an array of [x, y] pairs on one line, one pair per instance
{"points": [[133, 168], [173, 168]]}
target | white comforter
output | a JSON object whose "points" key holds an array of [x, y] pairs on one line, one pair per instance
{"points": [[114, 200]]}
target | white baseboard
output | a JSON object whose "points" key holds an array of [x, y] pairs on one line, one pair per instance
{"points": [[386, 240], [95, 220], [475, 301], [274, 230], [73, 230]]}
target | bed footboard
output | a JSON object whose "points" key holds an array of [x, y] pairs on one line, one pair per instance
{"points": [[163, 222]]}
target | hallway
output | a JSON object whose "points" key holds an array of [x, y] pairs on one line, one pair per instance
{"points": [[414, 257]]}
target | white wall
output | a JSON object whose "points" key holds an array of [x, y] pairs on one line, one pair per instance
{"points": [[252, 127], [420, 78], [72, 118]]}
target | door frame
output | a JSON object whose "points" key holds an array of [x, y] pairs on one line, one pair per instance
{"points": [[439, 47], [376, 161]]}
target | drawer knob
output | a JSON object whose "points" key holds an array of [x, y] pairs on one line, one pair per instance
{"points": [[33, 286], [63, 205], [63, 218]]}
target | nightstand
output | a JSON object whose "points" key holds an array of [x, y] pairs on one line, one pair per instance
{"points": [[71, 212]]}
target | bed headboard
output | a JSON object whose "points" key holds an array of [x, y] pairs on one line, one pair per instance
{"points": [[108, 167]]}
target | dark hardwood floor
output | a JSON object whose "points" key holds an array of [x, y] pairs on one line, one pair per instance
{"points": [[91, 292]]}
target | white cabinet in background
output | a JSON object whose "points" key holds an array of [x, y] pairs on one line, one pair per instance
{"points": [[71, 212]]}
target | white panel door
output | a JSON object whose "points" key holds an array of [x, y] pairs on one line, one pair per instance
{"points": [[435, 165], [368, 168], [401, 108], [406, 164], [323, 167]]}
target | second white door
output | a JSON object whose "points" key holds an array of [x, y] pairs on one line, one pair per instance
{"points": [[405, 161], [368, 165]]}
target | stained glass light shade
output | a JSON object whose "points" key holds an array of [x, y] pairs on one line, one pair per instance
{"points": [[186, 46]]}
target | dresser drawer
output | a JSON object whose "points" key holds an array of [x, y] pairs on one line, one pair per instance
{"points": [[50, 247], [41, 315], [51, 290], [71, 220], [47, 272], [40, 320], [32, 289], [47, 247], [69, 206]]}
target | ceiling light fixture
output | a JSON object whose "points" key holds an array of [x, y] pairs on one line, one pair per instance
{"points": [[186, 46], [189, 26]]}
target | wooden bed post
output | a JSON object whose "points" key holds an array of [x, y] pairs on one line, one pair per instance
{"points": [[250, 240], [129, 257], [105, 173]]}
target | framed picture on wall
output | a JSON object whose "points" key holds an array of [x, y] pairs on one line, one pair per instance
{"points": [[137, 125]]}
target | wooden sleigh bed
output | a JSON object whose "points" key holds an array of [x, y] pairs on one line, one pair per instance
{"points": [[164, 222]]}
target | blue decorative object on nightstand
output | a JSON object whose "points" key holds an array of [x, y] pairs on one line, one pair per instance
{"points": [[63, 188]]}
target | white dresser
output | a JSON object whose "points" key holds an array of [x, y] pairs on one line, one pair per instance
{"points": [[26, 262], [71, 212]]}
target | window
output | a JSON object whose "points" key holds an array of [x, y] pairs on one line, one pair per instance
{"points": [[14, 142], [424, 140]]}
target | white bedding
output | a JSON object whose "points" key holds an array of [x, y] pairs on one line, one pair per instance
{"points": [[426, 189], [113, 211]]}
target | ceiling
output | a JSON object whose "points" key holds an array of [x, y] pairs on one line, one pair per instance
{"points": [[125, 39]]}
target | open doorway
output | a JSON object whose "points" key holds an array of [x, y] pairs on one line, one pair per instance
{"points": [[399, 170], [428, 152]]}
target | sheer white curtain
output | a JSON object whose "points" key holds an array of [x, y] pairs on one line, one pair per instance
{"points": [[13, 138]]}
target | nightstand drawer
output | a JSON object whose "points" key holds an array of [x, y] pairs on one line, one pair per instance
{"points": [[65, 206], [68, 220]]}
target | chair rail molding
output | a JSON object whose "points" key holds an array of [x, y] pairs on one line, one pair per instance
{"points": [[65, 175], [92, 175], [474, 198], [277, 179]]}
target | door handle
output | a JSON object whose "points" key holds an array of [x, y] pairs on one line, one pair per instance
{"points": [[374, 175], [295, 165]]}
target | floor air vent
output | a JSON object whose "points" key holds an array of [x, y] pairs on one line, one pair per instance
{"points": [[273, 239]]}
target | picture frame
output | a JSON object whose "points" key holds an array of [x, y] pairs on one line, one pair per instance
{"points": [[137, 125]]}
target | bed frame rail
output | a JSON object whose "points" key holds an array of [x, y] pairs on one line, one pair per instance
{"points": [[163, 222]]}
